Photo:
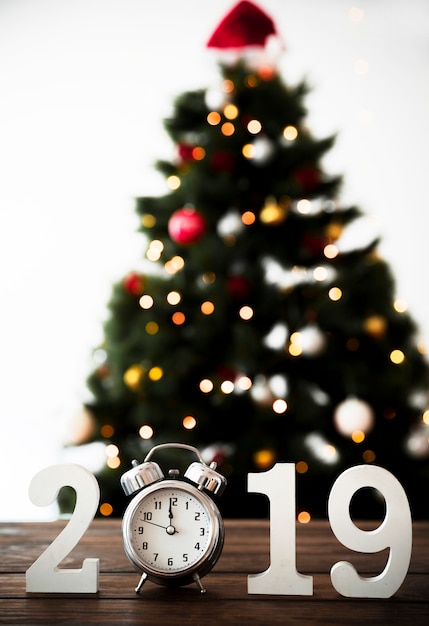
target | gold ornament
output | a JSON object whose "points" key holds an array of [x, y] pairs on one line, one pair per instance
{"points": [[274, 212], [375, 326], [133, 376]]}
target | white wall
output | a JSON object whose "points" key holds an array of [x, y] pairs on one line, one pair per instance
{"points": [[84, 85]]}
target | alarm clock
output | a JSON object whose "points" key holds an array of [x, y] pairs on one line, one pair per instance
{"points": [[172, 529]]}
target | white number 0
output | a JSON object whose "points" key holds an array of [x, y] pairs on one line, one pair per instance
{"points": [[44, 575], [395, 532]]}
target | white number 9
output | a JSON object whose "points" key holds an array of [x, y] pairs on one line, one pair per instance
{"points": [[395, 533]]}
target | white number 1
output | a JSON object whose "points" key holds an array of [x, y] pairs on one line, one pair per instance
{"points": [[281, 577]]}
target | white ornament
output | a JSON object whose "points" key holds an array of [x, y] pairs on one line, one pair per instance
{"points": [[263, 149], [230, 224], [352, 415], [417, 444], [312, 340]]}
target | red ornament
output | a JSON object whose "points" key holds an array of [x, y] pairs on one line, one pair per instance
{"points": [[186, 226], [239, 287], [222, 161], [133, 284], [307, 177], [185, 151], [245, 25]]}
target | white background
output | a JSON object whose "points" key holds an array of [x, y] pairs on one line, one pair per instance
{"points": [[84, 86]]}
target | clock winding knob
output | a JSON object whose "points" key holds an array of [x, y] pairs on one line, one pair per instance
{"points": [[206, 477], [140, 476]]}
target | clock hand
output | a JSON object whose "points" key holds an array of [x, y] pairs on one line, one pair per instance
{"points": [[169, 529], [170, 512]]}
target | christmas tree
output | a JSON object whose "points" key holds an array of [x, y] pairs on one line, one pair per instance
{"points": [[253, 332]]}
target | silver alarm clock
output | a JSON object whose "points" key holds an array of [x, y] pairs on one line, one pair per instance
{"points": [[172, 530]]}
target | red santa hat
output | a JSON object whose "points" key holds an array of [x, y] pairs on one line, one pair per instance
{"points": [[246, 25]]}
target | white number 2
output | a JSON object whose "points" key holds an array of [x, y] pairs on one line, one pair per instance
{"points": [[395, 532], [44, 575]]}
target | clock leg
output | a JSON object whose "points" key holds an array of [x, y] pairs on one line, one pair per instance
{"points": [[141, 582], [198, 582]]}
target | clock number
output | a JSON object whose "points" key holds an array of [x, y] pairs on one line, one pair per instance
{"points": [[173, 501], [395, 532], [185, 558], [158, 505], [44, 575], [170, 561], [144, 545], [197, 517], [140, 530], [202, 532], [155, 556], [278, 484], [147, 516], [197, 546]]}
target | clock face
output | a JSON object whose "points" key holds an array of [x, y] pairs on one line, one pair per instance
{"points": [[171, 529]]}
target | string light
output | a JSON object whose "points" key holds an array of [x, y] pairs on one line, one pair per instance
{"points": [[189, 422], [174, 265], [246, 313], [335, 294], [290, 133], [106, 509], [148, 220], [208, 278], [303, 206], [358, 436], [155, 373], [279, 406], [244, 383], [155, 250], [207, 308], [112, 450], [146, 431], [330, 251], [214, 118], [173, 298], [152, 328], [178, 318], [107, 431], [228, 86], [400, 305], [369, 456], [397, 357], [304, 517], [254, 127], [227, 387], [301, 467], [425, 417], [113, 462], [264, 458], [228, 129], [146, 301], [133, 376], [173, 182], [320, 273], [206, 385], [198, 153], [248, 151], [230, 111], [248, 218]]}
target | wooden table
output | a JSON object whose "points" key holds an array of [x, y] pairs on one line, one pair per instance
{"points": [[246, 551]]}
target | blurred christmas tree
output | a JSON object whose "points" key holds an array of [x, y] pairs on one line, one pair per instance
{"points": [[255, 333]]}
